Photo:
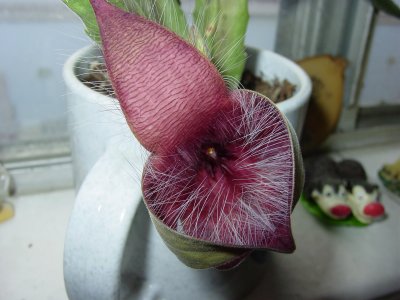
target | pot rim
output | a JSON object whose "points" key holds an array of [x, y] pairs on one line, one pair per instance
{"points": [[303, 92], [72, 81]]}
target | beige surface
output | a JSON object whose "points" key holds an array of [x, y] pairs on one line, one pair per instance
{"points": [[31, 247]]}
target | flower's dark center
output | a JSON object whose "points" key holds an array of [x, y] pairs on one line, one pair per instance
{"points": [[211, 153], [215, 157]]}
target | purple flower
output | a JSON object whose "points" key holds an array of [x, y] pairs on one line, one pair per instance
{"points": [[225, 168]]}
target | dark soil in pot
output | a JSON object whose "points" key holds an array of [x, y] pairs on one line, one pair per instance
{"points": [[276, 90], [97, 78]]}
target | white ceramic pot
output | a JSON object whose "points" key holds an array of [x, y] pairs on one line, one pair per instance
{"points": [[95, 118], [269, 65], [112, 251]]}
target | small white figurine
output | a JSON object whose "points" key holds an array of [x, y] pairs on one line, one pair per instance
{"points": [[362, 196], [326, 188], [331, 198], [363, 200], [341, 189]]}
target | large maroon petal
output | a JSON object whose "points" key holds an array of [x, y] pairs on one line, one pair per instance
{"points": [[167, 90], [244, 197]]}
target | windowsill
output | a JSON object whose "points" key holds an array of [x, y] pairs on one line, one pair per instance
{"points": [[362, 138], [40, 166]]}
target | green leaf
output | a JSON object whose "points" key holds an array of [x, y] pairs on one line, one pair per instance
{"points": [[165, 12], [314, 209], [172, 17], [299, 175], [195, 253], [392, 184], [205, 17], [388, 6], [223, 27], [84, 10]]}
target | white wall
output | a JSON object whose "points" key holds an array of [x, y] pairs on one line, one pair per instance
{"points": [[382, 78], [37, 36]]}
